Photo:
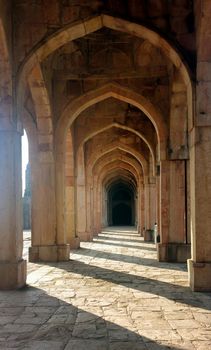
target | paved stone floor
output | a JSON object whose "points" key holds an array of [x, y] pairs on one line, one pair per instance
{"points": [[113, 295]]}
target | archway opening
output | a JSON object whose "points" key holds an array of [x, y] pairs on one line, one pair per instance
{"points": [[121, 205], [26, 183]]}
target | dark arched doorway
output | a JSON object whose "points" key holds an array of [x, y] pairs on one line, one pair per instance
{"points": [[121, 204]]}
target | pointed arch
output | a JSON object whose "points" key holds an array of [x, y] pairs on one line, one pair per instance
{"points": [[82, 28], [123, 127], [115, 147], [118, 92]]}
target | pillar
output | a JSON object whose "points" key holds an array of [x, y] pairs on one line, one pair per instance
{"points": [[89, 210], [12, 265], [150, 207], [98, 207], [158, 200], [72, 239], [70, 220], [173, 245], [48, 225], [81, 198], [142, 209], [104, 221], [200, 161]]}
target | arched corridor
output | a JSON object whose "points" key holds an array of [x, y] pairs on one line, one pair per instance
{"points": [[114, 97], [107, 93]]}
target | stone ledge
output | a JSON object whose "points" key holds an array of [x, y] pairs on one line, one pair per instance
{"points": [[173, 252], [50, 253], [13, 275], [199, 276]]}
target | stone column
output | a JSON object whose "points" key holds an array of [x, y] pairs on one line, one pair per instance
{"points": [[72, 240], [150, 207], [95, 206], [48, 226], [81, 199], [152, 198], [12, 265], [89, 210], [138, 203], [104, 208], [98, 208], [173, 245], [158, 200], [200, 161], [70, 222], [81, 211], [142, 208]]}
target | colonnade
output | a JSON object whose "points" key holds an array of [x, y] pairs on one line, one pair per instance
{"points": [[71, 170]]}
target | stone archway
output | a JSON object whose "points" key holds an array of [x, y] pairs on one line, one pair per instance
{"points": [[78, 105], [103, 170], [72, 111]]}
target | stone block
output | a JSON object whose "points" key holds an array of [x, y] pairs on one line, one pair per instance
{"points": [[84, 236], [49, 253], [13, 275], [199, 276], [174, 252], [148, 235], [74, 243]]}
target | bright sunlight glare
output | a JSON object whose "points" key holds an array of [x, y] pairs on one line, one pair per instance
{"points": [[25, 158]]}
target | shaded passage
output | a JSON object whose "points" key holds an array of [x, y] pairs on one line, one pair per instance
{"points": [[121, 204]]}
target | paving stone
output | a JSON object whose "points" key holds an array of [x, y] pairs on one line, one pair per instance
{"points": [[127, 346], [179, 315], [16, 328], [202, 345], [203, 317], [146, 315], [195, 334], [184, 324], [156, 324], [76, 344], [173, 345], [161, 334], [44, 345]]}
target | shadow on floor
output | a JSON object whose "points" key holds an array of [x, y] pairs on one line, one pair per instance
{"points": [[97, 240], [130, 259], [43, 321], [170, 291], [119, 239]]}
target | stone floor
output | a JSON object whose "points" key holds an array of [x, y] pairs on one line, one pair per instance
{"points": [[112, 294]]}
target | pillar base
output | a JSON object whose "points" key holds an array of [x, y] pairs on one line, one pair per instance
{"points": [[199, 276], [140, 231], [13, 275], [74, 243], [95, 232], [148, 236], [173, 252], [50, 253], [84, 236]]}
